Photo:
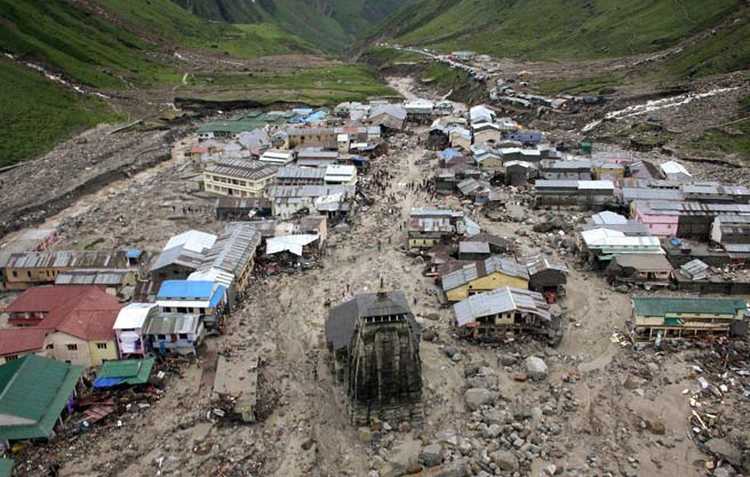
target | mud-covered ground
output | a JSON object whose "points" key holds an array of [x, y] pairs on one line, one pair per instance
{"points": [[604, 408]]}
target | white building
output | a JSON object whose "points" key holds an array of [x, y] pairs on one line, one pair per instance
{"points": [[337, 174], [278, 157], [129, 328]]}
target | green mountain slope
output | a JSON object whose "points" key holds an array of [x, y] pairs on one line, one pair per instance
{"points": [[37, 113], [118, 43], [554, 29], [329, 24]]}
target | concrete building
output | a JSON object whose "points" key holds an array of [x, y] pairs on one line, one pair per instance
{"points": [[486, 275], [672, 317], [238, 177], [129, 326]]}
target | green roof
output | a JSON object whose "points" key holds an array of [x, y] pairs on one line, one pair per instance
{"points": [[6, 467], [654, 306], [33, 393], [133, 371]]}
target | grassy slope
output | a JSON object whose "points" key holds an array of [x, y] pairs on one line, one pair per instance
{"points": [[317, 86], [112, 54], [37, 113], [731, 139], [561, 29]]}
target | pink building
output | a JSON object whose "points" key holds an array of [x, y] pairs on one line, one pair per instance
{"points": [[661, 223]]}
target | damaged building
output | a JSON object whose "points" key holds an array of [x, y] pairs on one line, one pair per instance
{"points": [[373, 340], [489, 316]]}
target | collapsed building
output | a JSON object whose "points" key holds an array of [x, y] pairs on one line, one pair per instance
{"points": [[490, 316], [373, 340]]}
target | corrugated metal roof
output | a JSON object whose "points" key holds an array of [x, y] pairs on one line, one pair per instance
{"points": [[696, 269], [502, 300], [113, 277], [290, 243], [607, 218], [192, 240], [295, 172], [664, 306], [286, 192], [172, 323], [134, 315], [62, 259], [473, 247], [656, 207], [435, 212], [482, 268], [630, 194], [539, 263], [33, 393]]}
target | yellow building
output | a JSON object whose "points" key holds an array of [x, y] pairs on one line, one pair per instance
{"points": [[486, 275], [238, 178], [82, 352]]}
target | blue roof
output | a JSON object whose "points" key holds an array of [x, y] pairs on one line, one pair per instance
{"points": [[133, 253], [449, 154], [317, 116], [217, 297], [186, 289]]}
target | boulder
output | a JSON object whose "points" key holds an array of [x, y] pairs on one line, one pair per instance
{"points": [[505, 460], [723, 449], [431, 455], [536, 368], [478, 397]]}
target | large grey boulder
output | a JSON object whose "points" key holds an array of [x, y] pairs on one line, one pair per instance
{"points": [[478, 397], [431, 455], [536, 368], [505, 460]]}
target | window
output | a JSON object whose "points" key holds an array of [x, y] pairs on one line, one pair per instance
{"points": [[161, 337], [28, 274], [183, 336], [181, 309], [11, 357], [15, 273], [101, 346], [50, 346], [72, 347]]}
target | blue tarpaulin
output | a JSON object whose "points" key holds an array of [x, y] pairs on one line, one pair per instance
{"points": [[107, 382]]}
